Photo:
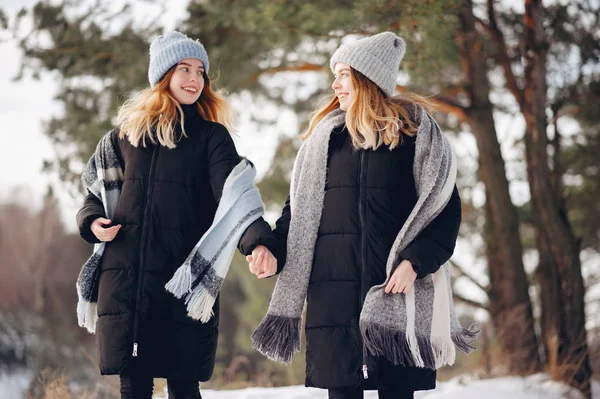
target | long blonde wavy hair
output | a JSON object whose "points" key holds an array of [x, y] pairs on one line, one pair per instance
{"points": [[372, 119], [155, 108]]}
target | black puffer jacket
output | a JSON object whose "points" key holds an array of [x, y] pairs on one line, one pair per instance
{"points": [[369, 195], [168, 200]]}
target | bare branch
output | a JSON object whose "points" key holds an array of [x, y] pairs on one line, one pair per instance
{"points": [[463, 273], [443, 104], [502, 56], [568, 110], [470, 302], [298, 67]]}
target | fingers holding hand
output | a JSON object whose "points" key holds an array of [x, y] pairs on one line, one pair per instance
{"points": [[262, 263], [269, 266], [250, 261], [254, 261]]}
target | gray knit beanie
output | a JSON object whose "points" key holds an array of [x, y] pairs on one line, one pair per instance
{"points": [[377, 57], [168, 49]]}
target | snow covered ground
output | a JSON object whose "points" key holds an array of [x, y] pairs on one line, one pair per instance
{"points": [[533, 387], [12, 385]]}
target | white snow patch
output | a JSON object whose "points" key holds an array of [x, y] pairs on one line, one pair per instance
{"points": [[537, 386]]}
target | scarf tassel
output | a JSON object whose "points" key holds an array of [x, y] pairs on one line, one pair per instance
{"points": [[444, 351], [278, 338], [465, 338], [389, 343], [87, 315], [394, 346], [181, 283], [200, 304]]}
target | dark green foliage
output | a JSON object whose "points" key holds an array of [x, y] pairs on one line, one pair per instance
{"points": [[99, 67], [581, 165]]}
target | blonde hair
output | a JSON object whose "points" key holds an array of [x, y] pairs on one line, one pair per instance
{"points": [[155, 108], [372, 119]]}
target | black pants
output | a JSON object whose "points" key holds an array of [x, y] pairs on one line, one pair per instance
{"points": [[358, 393], [138, 385]]}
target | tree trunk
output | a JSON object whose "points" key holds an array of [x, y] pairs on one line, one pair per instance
{"points": [[510, 305], [562, 291]]}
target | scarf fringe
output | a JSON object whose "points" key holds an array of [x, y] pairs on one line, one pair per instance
{"points": [[278, 338], [414, 348], [465, 338], [426, 350], [200, 304], [181, 283], [394, 346], [87, 315], [444, 351], [389, 343]]}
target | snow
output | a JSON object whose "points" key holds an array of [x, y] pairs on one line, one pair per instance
{"points": [[537, 386], [463, 387], [14, 384]]}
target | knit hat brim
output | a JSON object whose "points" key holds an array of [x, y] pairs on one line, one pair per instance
{"points": [[365, 63]]}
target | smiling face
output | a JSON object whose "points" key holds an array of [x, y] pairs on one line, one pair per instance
{"points": [[342, 84], [187, 81]]}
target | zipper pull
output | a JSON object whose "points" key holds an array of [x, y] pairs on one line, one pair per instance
{"points": [[365, 372], [135, 349]]}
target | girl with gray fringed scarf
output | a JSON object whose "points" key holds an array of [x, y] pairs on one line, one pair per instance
{"points": [[371, 220], [169, 199]]}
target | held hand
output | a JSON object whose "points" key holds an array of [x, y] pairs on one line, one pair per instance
{"points": [[104, 233], [402, 279], [262, 263]]}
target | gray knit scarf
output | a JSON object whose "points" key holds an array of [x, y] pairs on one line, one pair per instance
{"points": [[419, 328], [199, 279]]}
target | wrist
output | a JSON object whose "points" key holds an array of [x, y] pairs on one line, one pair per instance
{"points": [[415, 268]]}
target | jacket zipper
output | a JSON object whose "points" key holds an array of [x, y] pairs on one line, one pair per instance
{"points": [[147, 209], [361, 212]]}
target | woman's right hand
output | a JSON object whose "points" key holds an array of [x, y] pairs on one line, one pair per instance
{"points": [[104, 233], [262, 263]]}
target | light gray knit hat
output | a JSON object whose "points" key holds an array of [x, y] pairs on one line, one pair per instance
{"points": [[168, 49], [377, 57]]}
